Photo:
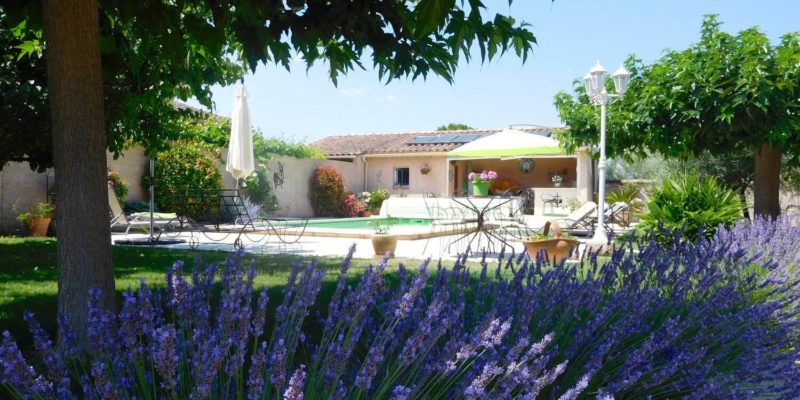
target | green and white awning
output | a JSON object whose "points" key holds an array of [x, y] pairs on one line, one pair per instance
{"points": [[508, 143]]}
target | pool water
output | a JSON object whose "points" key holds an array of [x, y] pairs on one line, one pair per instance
{"points": [[363, 223]]}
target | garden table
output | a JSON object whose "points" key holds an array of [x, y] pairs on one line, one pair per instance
{"points": [[477, 211]]}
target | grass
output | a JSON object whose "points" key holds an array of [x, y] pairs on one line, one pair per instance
{"points": [[28, 275], [29, 279]]}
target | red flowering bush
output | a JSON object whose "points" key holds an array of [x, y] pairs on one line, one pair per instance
{"points": [[327, 191], [351, 206]]}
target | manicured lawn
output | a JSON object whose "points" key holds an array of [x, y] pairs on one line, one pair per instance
{"points": [[28, 277]]}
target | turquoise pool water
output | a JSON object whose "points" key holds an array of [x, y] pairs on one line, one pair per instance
{"points": [[363, 223]]}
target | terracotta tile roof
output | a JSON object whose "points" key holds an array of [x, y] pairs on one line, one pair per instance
{"points": [[398, 143]]}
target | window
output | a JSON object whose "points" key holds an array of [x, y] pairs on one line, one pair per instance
{"points": [[401, 176]]}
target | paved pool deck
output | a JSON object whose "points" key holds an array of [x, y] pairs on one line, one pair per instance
{"points": [[444, 247]]}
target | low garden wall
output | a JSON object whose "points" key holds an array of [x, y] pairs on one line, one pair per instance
{"points": [[292, 177], [21, 188]]}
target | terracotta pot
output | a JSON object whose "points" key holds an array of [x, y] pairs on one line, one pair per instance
{"points": [[383, 243], [366, 213], [557, 248], [376, 211], [38, 226]]}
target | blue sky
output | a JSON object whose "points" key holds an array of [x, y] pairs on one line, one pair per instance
{"points": [[572, 35]]}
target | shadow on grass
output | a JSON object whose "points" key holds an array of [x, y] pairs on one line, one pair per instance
{"points": [[29, 278]]}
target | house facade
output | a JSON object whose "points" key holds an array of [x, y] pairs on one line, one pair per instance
{"points": [[416, 163]]}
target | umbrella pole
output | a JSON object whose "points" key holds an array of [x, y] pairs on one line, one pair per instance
{"points": [[152, 198]]}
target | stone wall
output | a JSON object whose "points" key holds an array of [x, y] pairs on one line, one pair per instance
{"points": [[21, 188], [291, 178]]}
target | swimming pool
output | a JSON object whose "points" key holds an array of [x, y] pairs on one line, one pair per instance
{"points": [[363, 223]]}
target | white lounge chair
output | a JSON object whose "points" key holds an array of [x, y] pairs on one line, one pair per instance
{"points": [[139, 220], [580, 221]]}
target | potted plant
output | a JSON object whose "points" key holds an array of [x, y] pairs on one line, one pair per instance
{"points": [[364, 199], [382, 241], [558, 247], [376, 199], [38, 219], [557, 179], [481, 182]]}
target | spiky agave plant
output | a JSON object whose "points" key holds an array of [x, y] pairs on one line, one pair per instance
{"points": [[677, 320]]}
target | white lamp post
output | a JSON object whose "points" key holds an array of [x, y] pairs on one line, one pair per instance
{"points": [[594, 82]]}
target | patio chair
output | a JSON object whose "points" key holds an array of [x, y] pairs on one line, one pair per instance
{"points": [[581, 221], [140, 220], [510, 221], [445, 219], [612, 215]]}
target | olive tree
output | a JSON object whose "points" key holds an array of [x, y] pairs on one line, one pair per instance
{"points": [[726, 95]]}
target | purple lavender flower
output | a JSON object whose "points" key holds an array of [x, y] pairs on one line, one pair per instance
{"points": [[164, 353], [477, 388], [50, 358], [255, 378], [295, 389], [400, 392], [17, 373], [410, 297]]}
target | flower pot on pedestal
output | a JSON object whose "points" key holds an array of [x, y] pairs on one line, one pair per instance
{"points": [[556, 247]]}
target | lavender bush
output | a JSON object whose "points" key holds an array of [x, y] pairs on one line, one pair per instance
{"points": [[680, 320]]}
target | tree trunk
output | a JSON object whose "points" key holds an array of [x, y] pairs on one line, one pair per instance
{"points": [[766, 188], [72, 50]]}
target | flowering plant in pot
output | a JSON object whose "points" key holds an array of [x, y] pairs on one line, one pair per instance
{"points": [[481, 182], [38, 219], [382, 241], [376, 199], [557, 179], [556, 246], [364, 198]]}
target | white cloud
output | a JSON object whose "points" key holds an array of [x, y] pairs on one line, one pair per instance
{"points": [[390, 97]]}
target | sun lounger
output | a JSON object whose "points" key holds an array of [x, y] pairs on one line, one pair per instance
{"points": [[139, 220], [579, 222]]}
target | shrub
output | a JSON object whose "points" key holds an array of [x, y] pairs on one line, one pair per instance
{"points": [[259, 189], [183, 167], [774, 244], [327, 191], [628, 194], [120, 187], [678, 320], [377, 197], [351, 206], [692, 204]]}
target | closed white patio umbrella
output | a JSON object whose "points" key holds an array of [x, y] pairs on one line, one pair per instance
{"points": [[241, 162]]}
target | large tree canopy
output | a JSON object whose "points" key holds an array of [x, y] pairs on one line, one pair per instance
{"points": [[726, 94], [114, 67], [156, 51]]}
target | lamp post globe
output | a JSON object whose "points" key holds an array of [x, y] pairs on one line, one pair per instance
{"points": [[587, 84], [621, 79], [598, 74]]}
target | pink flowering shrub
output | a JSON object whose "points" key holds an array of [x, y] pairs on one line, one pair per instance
{"points": [[351, 206]]}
